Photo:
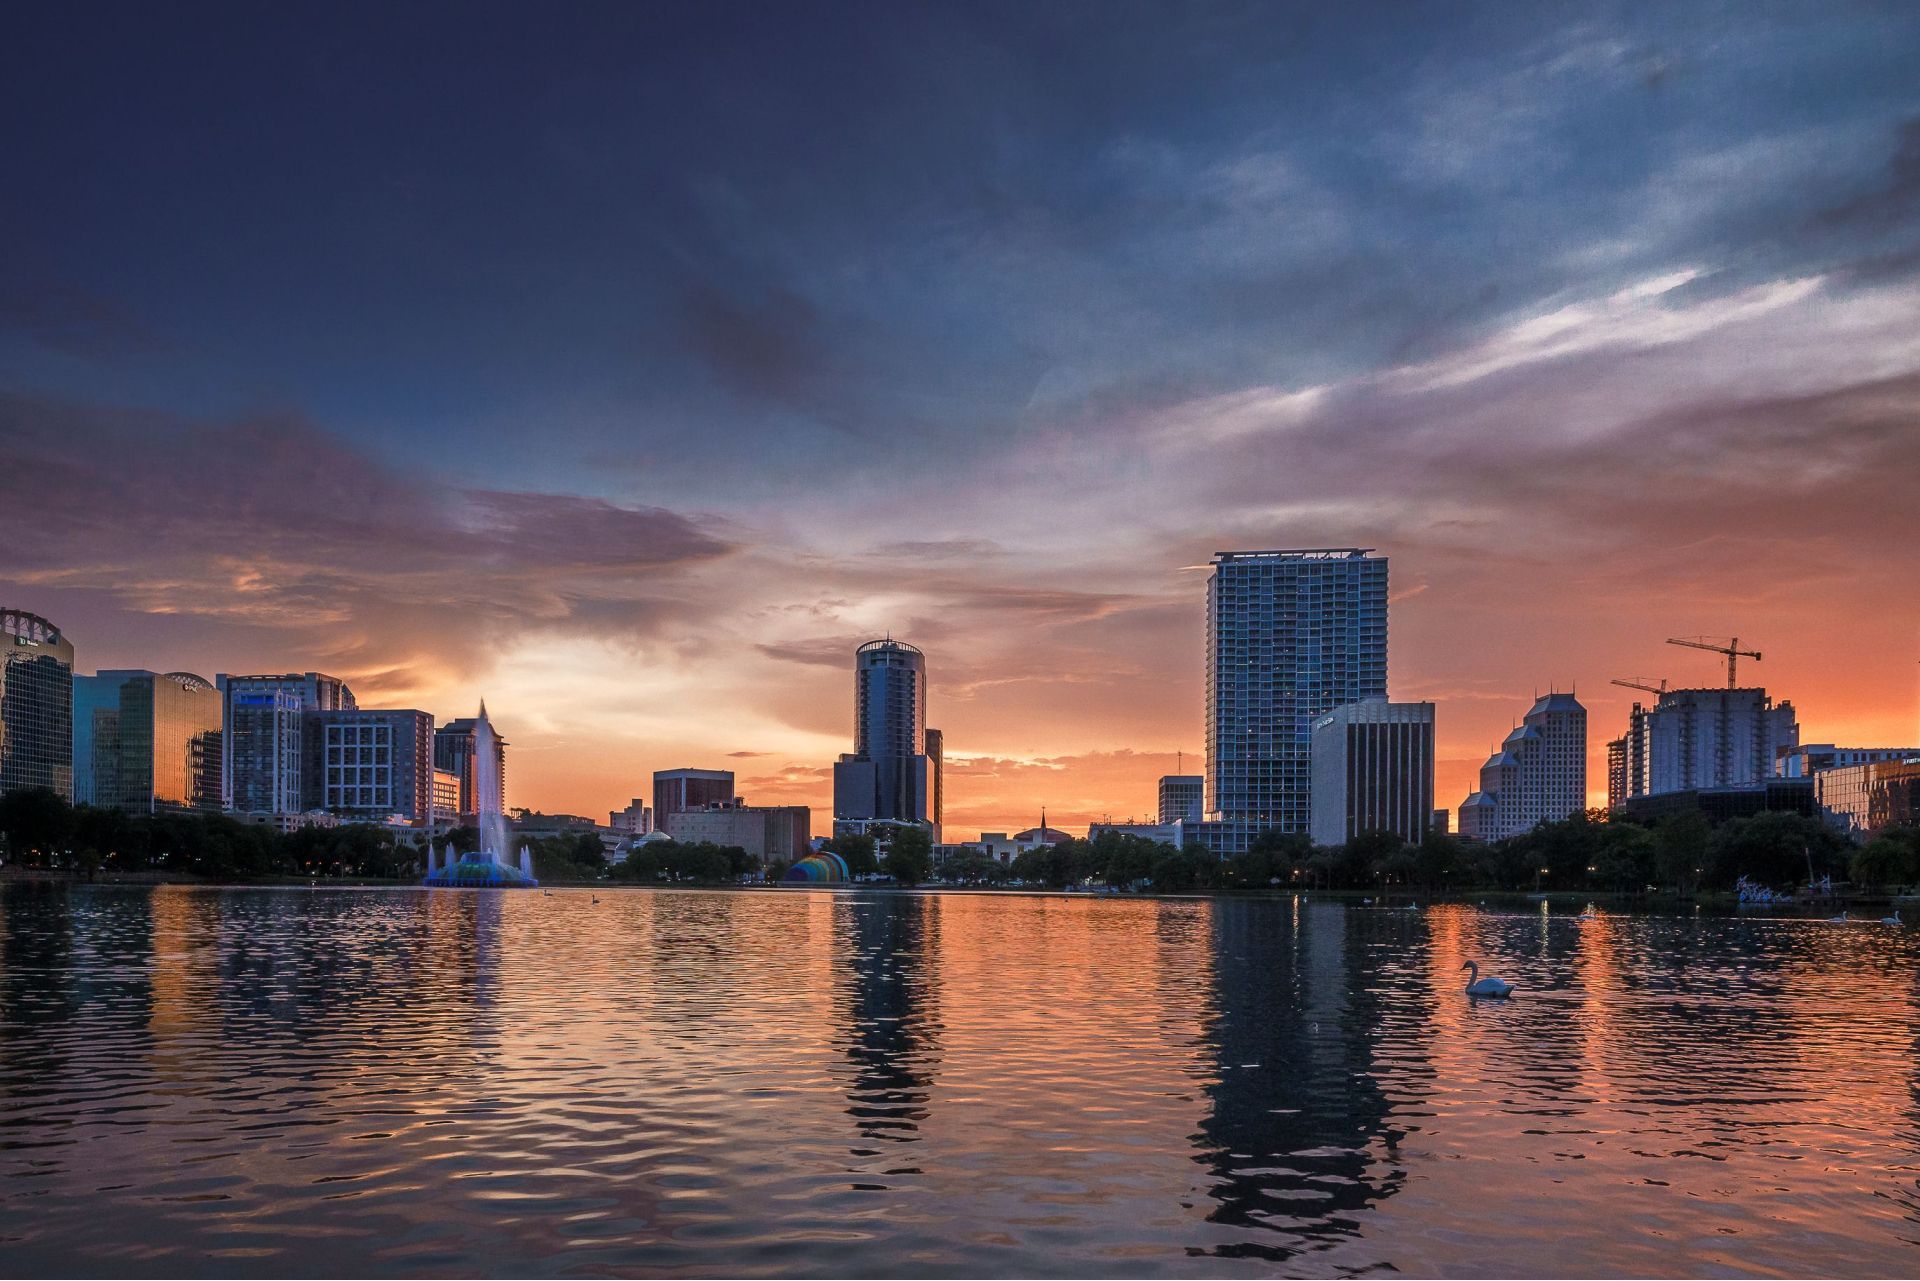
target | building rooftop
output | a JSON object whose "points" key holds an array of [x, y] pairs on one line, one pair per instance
{"points": [[1296, 553]]}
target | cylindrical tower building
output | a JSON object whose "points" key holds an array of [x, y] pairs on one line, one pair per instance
{"points": [[889, 777], [889, 699]]}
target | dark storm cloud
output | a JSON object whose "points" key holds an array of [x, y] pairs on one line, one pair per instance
{"points": [[765, 348], [66, 318], [1896, 200], [274, 523]]}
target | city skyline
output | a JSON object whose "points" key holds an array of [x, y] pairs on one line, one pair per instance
{"points": [[638, 415]]}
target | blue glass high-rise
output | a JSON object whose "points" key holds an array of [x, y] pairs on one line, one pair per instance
{"points": [[1291, 634]]}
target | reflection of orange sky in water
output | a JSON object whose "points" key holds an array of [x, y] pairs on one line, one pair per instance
{"points": [[1598, 1082]]}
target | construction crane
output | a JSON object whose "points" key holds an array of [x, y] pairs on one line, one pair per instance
{"points": [[1730, 648], [1639, 683]]}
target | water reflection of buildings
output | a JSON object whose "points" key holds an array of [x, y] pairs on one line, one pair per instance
{"points": [[891, 1035], [1298, 1123]]}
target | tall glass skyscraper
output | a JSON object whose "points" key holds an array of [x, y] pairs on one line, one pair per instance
{"points": [[893, 773], [1290, 635], [36, 704], [146, 741]]}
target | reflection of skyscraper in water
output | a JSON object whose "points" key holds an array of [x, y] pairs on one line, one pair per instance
{"points": [[1296, 1107], [891, 1033]]}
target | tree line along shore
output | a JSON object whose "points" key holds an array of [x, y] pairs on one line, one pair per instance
{"points": [[1591, 852]]}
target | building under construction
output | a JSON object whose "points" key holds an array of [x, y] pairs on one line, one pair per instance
{"points": [[1691, 739]]}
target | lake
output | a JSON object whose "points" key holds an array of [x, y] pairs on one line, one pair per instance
{"points": [[201, 1081]]}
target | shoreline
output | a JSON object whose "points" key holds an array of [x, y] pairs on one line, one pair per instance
{"points": [[1664, 902]]}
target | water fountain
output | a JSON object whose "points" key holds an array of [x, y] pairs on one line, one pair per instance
{"points": [[487, 867]]}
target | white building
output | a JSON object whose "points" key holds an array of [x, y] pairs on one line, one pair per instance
{"points": [[1807, 759], [1697, 738], [635, 820], [1538, 775], [1372, 771]]}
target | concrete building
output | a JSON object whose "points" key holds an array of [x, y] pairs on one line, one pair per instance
{"points": [[1291, 635], [893, 774], [454, 750], [1182, 798], [1863, 800], [446, 797], [263, 740], [1804, 760], [1372, 768], [1174, 833], [635, 820], [1694, 739], [1538, 775], [765, 832], [678, 790], [373, 765], [146, 741], [36, 704]]}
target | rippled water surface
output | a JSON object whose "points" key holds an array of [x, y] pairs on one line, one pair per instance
{"points": [[203, 1081]]}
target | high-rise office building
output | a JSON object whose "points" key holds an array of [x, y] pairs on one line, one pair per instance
{"points": [[1291, 635], [1182, 798], [1539, 774], [36, 704], [677, 790], [264, 748], [1372, 771], [146, 741], [936, 777], [892, 775], [373, 764], [454, 750], [1705, 738]]}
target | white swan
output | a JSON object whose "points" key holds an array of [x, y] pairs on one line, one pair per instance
{"points": [[1841, 919], [1477, 986], [1892, 920], [1591, 913]]}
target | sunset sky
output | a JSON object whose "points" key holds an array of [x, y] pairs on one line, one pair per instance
{"points": [[627, 365]]}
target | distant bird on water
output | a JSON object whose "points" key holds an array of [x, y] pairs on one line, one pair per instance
{"points": [[1477, 986], [1841, 919], [594, 897], [1892, 920]]}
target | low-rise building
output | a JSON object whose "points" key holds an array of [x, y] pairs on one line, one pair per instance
{"points": [[1182, 798], [765, 832], [1863, 800], [1804, 760], [635, 820]]}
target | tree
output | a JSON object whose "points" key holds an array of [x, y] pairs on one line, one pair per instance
{"points": [[37, 822], [1370, 856], [910, 854], [1891, 858], [1439, 859], [1680, 849], [1626, 857], [857, 852], [1774, 848]]}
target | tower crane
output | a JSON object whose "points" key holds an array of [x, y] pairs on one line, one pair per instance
{"points": [[1641, 683], [1730, 648]]}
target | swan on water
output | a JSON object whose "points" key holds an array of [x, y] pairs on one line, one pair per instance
{"points": [[1841, 919], [1892, 920], [1477, 986]]}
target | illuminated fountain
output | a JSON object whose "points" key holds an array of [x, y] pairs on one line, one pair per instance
{"points": [[486, 868]]}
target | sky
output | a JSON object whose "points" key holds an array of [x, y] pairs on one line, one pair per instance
{"points": [[628, 365]]}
